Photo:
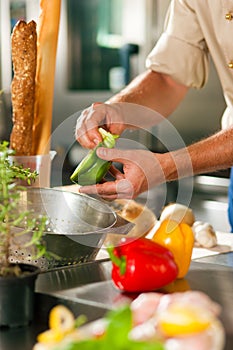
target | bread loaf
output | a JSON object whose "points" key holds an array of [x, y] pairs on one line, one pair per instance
{"points": [[24, 56], [48, 28], [143, 218]]}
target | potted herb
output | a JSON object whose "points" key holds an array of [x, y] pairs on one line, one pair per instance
{"points": [[16, 280]]}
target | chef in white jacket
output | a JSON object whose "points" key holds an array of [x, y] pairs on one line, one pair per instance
{"points": [[194, 30]]}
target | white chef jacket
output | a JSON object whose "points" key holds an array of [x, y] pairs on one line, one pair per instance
{"points": [[195, 29]]}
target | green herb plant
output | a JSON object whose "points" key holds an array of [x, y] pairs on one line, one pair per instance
{"points": [[11, 175]]}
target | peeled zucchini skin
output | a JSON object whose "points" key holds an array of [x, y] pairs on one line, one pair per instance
{"points": [[86, 164], [83, 166]]}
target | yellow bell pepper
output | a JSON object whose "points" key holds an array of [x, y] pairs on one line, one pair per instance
{"points": [[179, 285], [179, 239]]}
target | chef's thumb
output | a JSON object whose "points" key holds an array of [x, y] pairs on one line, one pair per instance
{"points": [[108, 153]]}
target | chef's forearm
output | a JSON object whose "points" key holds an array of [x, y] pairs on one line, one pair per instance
{"points": [[211, 154], [153, 90]]}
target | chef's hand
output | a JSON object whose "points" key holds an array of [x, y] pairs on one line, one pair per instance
{"points": [[99, 114], [141, 171]]}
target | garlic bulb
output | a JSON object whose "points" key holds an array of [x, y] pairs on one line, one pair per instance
{"points": [[204, 234]]}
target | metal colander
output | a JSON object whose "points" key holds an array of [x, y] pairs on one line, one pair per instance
{"points": [[77, 226]]}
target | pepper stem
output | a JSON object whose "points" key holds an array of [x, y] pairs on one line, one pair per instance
{"points": [[118, 261]]}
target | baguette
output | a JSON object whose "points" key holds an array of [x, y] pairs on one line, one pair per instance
{"points": [[48, 28], [24, 57]]}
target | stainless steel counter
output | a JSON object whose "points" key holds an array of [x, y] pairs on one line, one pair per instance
{"points": [[224, 259], [87, 289]]}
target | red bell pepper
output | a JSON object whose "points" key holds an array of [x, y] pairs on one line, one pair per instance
{"points": [[141, 265]]}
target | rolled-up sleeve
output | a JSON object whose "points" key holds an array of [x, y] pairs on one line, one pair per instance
{"points": [[181, 51]]}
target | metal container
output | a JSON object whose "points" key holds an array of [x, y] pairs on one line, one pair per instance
{"points": [[77, 226]]}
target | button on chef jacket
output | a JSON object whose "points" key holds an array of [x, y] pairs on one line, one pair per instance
{"points": [[194, 30]]}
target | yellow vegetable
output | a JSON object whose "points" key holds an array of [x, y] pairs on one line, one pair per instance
{"points": [[180, 320], [61, 323], [61, 319], [179, 239], [50, 337], [179, 285]]}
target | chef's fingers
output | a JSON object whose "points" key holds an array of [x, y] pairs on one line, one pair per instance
{"points": [[110, 190], [116, 189], [86, 131], [114, 155], [99, 114], [116, 173]]}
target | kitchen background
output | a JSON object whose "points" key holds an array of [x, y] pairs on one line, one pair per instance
{"points": [[102, 46]]}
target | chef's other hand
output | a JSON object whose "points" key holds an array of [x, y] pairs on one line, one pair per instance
{"points": [[98, 114], [141, 171]]}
